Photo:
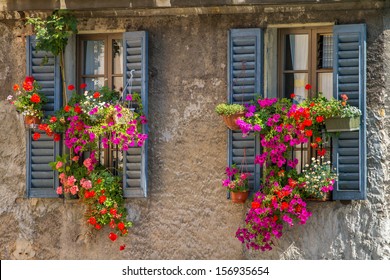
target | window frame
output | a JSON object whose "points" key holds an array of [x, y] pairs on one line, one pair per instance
{"points": [[108, 58], [312, 71]]}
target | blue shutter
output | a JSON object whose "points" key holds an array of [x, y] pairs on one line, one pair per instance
{"points": [[135, 159], [245, 74], [41, 179], [349, 76]]}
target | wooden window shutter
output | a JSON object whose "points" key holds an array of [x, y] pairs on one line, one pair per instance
{"points": [[135, 160], [245, 74], [349, 76], [41, 179]]}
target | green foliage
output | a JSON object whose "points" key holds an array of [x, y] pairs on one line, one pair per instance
{"points": [[332, 107], [224, 109], [28, 100], [53, 32]]}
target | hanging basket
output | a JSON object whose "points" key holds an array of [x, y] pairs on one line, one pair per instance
{"points": [[230, 120], [342, 124], [239, 197]]}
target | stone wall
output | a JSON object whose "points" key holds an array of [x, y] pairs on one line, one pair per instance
{"points": [[186, 214]]}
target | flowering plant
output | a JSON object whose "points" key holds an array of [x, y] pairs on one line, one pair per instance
{"points": [[282, 127], [99, 190], [91, 121], [317, 178], [236, 181], [28, 100], [333, 108]]}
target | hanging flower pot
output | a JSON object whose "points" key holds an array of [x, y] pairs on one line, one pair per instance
{"points": [[239, 197], [31, 120], [338, 124], [230, 120], [230, 113]]}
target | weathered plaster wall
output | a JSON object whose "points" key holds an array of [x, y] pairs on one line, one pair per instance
{"points": [[186, 215]]}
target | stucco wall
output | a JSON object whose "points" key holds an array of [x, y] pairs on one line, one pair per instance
{"points": [[186, 215]]}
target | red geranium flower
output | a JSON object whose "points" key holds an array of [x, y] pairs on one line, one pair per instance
{"points": [[67, 108], [53, 119], [308, 133], [16, 87], [98, 226], [319, 119], [36, 136], [308, 87], [255, 204], [292, 95], [121, 226], [83, 86], [102, 199], [321, 152], [112, 236], [284, 205], [57, 137], [92, 221], [77, 109], [96, 95], [122, 247], [35, 98], [71, 87], [113, 211]]}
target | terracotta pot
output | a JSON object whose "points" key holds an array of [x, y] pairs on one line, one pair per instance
{"points": [[239, 197], [230, 121], [31, 120]]}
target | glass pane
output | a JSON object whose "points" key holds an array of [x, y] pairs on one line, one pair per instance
{"points": [[295, 83], [325, 52], [93, 58], [117, 83], [94, 83], [325, 84], [117, 56], [297, 52]]}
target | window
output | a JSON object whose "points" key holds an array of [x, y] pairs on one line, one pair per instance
{"points": [[306, 57], [331, 59], [101, 64], [101, 61], [106, 59]]}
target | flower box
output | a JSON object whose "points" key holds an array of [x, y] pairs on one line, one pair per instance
{"points": [[342, 124]]}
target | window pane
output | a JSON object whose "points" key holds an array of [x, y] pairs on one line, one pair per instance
{"points": [[117, 56], [325, 84], [297, 52], [94, 83], [295, 83], [93, 58], [325, 51], [117, 83]]}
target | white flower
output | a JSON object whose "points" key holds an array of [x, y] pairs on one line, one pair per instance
{"points": [[9, 97]]}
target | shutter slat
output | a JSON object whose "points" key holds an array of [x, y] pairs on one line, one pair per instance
{"points": [[245, 53], [135, 159], [349, 150]]}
